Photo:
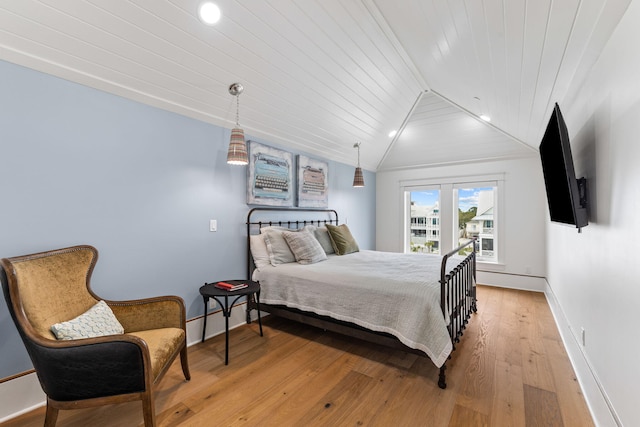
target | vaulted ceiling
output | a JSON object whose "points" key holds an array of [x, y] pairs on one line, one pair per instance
{"points": [[320, 75]]}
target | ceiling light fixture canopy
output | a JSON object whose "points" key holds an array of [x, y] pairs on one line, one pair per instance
{"points": [[237, 154], [358, 178], [209, 13]]}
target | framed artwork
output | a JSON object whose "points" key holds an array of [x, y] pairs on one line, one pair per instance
{"points": [[270, 173], [313, 183]]}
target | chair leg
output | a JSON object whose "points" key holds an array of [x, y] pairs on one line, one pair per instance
{"points": [[185, 363], [51, 415], [148, 411]]}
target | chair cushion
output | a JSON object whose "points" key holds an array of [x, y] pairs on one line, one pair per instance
{"points": [[162, 344], [98, 321]]}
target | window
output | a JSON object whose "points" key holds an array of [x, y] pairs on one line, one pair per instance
{"points": [[441, 216], [424, 232], [475, 206]]}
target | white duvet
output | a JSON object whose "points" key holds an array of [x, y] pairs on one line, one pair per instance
{"points": [[382, 291]]}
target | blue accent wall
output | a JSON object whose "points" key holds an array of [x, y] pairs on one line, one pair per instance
{"points": [[81, 166]]}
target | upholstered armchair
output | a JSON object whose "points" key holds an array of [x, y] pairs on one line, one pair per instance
{"points": [[50, 288]]}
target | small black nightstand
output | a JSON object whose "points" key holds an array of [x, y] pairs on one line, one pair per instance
{"points": [[209, 290]]}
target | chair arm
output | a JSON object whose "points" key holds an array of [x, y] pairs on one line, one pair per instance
{"points": [[90, 368], [150, 313]]}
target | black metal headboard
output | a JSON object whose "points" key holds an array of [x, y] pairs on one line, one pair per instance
{"points": [[284, 217]]}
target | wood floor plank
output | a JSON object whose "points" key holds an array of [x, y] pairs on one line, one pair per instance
{"points": [[476, 390], [508, 399], [541, 408], [508, 348], [417, 397], [237, 390], [544, 317], [392, 395], [311, 372], [305, 392], [570, 398], [536, 369], [174, 416], [339, 402], [509, 369], [463, 416]]}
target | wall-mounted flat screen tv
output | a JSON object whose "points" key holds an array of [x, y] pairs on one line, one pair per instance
{"points": [[566, 195]]}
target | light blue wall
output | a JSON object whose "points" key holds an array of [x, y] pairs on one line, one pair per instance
{"points": [[80, 166]]}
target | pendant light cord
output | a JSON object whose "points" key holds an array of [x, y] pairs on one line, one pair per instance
{"points": [[238, 110]]}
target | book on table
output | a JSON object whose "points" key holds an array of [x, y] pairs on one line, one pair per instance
{"points": [[230, 287]]}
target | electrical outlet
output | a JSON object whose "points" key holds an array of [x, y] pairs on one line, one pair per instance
{"points": [[213, 225]]}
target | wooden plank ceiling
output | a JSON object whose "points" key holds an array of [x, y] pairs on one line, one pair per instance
{"points": [[320, 75]]}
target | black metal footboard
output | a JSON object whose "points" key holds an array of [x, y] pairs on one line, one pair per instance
{"points": [[457, 284], [457, 296]]}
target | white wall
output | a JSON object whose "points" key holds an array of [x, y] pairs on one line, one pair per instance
{"points": [[594, 275], [523, 215]]}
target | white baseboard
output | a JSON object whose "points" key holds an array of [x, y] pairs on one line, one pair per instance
{"points": [[602, 411], [511, 281], [20, 395], [24, 394], [215, 323]]}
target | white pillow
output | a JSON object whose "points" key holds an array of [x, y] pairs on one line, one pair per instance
{"points": [[259, 251], [279, 252], [305, 247], [98, 321], [322, 234]]}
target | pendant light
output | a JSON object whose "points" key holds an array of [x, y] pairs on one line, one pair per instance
{"points": [[237, 154], [358, 179]]}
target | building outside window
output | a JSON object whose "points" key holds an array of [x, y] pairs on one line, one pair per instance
{"points": [[424, 233], [478, 203]]}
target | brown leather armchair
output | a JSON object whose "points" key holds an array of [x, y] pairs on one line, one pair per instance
{"points": [[51, 287]]}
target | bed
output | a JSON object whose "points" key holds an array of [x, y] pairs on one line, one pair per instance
{"points": [[419, 303]]}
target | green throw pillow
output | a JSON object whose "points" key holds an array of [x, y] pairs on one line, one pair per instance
{"points": [[341, 239]]}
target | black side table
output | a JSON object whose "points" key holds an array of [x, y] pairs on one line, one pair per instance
{"points": [[209, 290]]}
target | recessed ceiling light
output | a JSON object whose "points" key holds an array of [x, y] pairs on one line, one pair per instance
{"points": [[392, 133], [485, 117], [209, 13]]}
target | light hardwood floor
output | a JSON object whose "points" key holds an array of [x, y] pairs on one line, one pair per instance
{"points": [[510, 369]]}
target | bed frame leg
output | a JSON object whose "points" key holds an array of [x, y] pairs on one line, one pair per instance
{"points": [[441, 378]]}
